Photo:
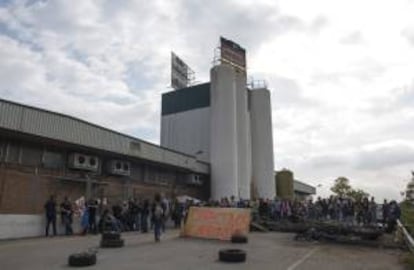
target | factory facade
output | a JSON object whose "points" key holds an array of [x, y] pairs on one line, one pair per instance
{"points": [[44, 153], [228, 125]]}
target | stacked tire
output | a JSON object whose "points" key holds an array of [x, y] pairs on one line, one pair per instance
{"points": [[232, 255], [112, 240], [82, 259]]}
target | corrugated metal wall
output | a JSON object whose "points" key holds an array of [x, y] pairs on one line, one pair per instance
{"points": [[59, 127]]}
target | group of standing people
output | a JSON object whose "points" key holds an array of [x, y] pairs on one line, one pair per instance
{"points": [[133, 215], [66, 213], [362, 212]]}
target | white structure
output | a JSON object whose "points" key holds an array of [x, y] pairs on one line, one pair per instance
{"points": [[243, 137], [185, 121], [213, 122], [262, 143], [223, 133]]}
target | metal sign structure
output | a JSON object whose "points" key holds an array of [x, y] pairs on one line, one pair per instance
{"points": [[181, 74], [232, 53]]}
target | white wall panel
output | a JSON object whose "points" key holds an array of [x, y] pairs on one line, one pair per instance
{"points": [[187, 132]]}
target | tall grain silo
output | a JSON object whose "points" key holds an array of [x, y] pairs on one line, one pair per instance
{"points": [[284, 184], [262, 143], [243, 136], [223, 132]]}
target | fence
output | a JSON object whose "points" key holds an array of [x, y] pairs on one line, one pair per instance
{"points": [[407, 237]]}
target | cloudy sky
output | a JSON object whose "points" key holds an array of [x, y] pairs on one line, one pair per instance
{"points": [[341, 72]]}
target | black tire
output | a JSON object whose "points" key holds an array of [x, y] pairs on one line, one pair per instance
{"points": [[114, 243], [232, 255], [111, 236], [239, 239], [82, 259]]}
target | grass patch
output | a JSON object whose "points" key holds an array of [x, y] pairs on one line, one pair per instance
{"points": [[408, 261]]}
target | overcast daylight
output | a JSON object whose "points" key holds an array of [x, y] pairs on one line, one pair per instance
{"points": [[215, 134], [340, 73]]}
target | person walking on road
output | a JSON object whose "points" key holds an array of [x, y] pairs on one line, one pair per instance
{"points": [[158, 213], [50, 209]]}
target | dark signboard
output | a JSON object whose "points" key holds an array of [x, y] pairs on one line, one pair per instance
{"points": [[232, 53]]}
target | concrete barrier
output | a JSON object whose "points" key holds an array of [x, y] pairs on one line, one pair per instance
{"points": [[20, 226]]}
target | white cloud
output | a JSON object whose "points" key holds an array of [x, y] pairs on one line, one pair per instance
{"points": [[340, 72]]}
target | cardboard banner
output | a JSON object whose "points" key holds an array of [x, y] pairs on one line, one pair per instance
{"points": [[216, 223]]}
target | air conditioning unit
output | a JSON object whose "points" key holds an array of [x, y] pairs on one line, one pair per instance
{"points": [[119, 167], [83, 162], [194, 180]]}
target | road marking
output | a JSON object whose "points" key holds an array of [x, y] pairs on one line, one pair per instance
{"points": [[301, 260]]}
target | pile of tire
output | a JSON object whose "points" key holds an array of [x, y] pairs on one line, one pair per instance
{"points": [[112, 240], [82, 259]]}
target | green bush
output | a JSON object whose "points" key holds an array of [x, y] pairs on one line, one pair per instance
{"points": [[407, 216], [408, 261]]}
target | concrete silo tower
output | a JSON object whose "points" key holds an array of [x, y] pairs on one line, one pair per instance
{"points": [[243, 137], [223, 132], [262, 143]]}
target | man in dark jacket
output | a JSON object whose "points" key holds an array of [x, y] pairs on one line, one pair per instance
{"points": [[50, 209], [67, 215]]}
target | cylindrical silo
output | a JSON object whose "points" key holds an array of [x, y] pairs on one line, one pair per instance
{"points": [[243, 138], [223, 132], [284, 184], [262, 143]]}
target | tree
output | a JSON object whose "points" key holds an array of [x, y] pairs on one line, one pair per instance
{"points": [[341, 186], [357, 194]]}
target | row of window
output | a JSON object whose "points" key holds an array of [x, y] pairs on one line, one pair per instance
{"points": [[32, 155]]}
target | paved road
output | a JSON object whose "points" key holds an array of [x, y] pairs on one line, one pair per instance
{"points": [[265, 251]]}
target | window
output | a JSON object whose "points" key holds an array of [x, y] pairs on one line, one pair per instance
{"points": [[53, 159], [30, 155], [2, 151], [13, 152]]}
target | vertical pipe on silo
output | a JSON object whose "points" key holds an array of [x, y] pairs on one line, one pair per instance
{"points": [[223, 130], [243, 144], [262, 143]]}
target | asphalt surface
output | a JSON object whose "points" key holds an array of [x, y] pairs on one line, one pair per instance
{"points": [[264, 251]]}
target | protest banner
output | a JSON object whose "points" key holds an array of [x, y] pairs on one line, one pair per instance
{"points": [[216, 223]]}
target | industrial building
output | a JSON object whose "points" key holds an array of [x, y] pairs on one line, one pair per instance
{"points": [[216, 141], [228, 125], [44, 153], [289, 188]]}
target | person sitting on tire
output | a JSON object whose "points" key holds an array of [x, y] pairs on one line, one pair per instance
{"points": [[108, 223]]}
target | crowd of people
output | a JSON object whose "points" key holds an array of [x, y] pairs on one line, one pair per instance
{"points": [[145, 215], [133, 215]]}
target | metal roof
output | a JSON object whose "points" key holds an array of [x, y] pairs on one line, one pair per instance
{"points": [[303, 188], [30, 120]]}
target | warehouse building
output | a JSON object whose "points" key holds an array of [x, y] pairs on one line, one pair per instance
{"points": [[44, 153]]}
